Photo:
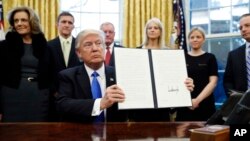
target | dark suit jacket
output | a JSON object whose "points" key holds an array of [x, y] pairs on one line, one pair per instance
{"points": [[55, 47], [74, 100], [235, 76], [112, 62]]}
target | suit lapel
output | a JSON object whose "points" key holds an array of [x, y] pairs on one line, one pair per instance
{"points": [[242, 59], [110, 79], [112, 62], [84, 82], [60, 52], [72, 53]]}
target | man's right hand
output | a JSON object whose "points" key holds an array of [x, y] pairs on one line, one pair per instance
{"points": [[112, 95]]}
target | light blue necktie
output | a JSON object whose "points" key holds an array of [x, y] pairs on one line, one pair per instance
{"points": [[96, 92], [248, 67]]}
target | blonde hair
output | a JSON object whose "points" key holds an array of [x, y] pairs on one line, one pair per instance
{"points": [[161, 40], [199, 29]]}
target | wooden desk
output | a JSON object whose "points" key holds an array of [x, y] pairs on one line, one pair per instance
{"points": [[85, 132]]}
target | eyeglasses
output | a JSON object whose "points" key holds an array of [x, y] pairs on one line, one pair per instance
{"points": [[89, 45]]}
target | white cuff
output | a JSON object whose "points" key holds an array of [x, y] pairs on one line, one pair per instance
{"points": [[96, 109]]}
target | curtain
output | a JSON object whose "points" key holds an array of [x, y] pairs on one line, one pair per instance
{"points": [[47, 11], [138, 12]]}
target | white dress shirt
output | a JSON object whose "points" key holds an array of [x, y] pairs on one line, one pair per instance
{"points": [[111, 46], [66, 46], [102, 81]]}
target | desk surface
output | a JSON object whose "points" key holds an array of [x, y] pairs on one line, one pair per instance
{"points": [[109, 131]]}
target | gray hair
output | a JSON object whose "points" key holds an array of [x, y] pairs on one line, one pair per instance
{"points": [[160, 25], [107, 23], [86, 32]]}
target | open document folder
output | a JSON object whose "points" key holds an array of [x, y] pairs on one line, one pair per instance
{"points": [[152, 78]]}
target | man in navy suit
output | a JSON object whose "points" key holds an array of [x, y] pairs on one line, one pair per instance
{"points": [[236, 76], [63, 49], [109, 30], [63, 46], [74, 100]]}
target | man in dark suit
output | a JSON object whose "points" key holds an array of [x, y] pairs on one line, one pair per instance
{"points": [[236, 74], [63, 46], [74, 100], [109, 30], [63, 50]]}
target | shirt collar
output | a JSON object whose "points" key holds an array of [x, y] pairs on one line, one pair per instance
{"points": [[100, 71], [69, 39], [111, 45]]}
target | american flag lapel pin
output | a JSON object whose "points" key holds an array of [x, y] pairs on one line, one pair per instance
{"points": [[111, 79]]}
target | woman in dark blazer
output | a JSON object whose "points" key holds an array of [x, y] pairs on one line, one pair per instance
{"points": [[26, 72]]}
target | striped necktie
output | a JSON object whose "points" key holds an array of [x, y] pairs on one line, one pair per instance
{"points": [[248, 67]]}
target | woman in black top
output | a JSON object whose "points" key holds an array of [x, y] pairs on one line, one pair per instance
{"points": [[202, 67], [26, 72]]}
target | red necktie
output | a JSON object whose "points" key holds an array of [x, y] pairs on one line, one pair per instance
{"points": [[108, 55]]}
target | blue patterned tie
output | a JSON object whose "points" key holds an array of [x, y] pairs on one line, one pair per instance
{"points": [[248, 68], [96, 92]]}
